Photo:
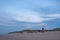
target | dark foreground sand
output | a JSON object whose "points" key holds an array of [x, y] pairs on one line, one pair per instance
{"points": [[32, 36]]}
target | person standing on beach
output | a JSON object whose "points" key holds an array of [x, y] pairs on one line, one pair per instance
{"points": [[42, 29]]}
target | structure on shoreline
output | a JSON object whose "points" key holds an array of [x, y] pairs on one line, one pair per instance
{"points": [[43, 30]]}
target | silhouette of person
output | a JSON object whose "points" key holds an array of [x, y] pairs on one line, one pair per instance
{"points": [[42, 29]]}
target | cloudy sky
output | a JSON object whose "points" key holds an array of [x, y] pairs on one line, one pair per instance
{"points": [[29, 14]]}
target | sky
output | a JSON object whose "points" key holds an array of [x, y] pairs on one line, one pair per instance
{"points": [[18, 15]]}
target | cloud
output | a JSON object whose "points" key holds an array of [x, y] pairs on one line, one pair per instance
{"points": [[33, 25], [26, 16], [28, 10], [32, 16], [54, 15]]}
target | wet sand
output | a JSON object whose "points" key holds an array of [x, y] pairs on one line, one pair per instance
{"points": [[32, 36]]}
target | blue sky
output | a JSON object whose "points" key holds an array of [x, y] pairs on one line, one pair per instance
{"points": [[29, 14]]}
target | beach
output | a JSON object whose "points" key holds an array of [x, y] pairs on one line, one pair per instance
{"points": [[54, 35]]}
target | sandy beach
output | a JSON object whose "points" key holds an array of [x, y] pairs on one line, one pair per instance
{"points": [[32, 36]]}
